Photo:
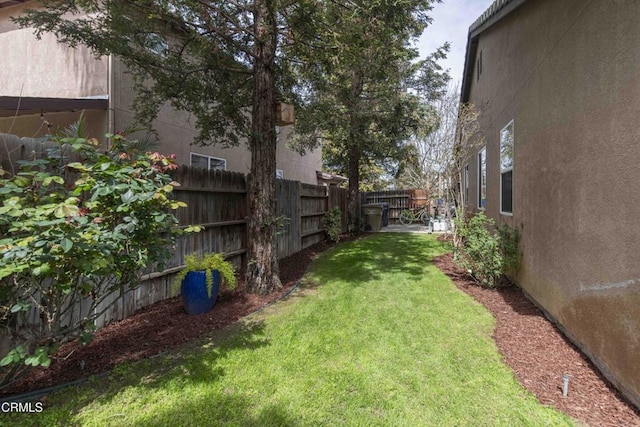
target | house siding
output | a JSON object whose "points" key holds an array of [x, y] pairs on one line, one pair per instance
{"points": [[46, 68], [568, 74]]}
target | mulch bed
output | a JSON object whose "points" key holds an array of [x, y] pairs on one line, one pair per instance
{"points": [[536, 351], [539, 355]]}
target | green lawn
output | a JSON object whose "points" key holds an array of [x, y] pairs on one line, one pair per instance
{"points": [[376, 336]]}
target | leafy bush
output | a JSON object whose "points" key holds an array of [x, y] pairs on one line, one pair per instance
{"points": [[74, 233], [485, 252], [332, 223]]}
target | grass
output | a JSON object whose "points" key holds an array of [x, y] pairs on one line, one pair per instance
{"points": [[376, 336]]}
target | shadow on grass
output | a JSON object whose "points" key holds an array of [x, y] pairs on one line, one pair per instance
{"points": [[190, 375], [367, 259], [218, 409]]}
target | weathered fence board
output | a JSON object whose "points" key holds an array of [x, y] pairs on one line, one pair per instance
{"points": [[217, 201], [14, 148], [287, 205], [313, 206], [338, 198]]}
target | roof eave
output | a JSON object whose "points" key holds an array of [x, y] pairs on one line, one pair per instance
{"points": [[9, 3], [19, 106], [498, 10]]}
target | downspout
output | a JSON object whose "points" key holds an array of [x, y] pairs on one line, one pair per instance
{"points": [[111, 115]]}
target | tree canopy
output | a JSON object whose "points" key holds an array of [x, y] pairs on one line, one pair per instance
{"points": [[366, 92], [218, 60], [348, 65], [439, 154]]}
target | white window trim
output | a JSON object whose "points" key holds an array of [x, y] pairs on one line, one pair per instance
{"points": [[479, 182], [209, 158], [505, 170]]}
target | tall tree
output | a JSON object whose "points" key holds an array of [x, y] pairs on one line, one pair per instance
{"points": [[366, 92], [218, 60], [225, 61], [433, 149], [454, 137]]}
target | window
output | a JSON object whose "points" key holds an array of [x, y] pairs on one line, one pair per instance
{"points": [[208, 162], [465, 184], [279, 174], [157, 44], [482, 178], [506, 169], [479, 66]]}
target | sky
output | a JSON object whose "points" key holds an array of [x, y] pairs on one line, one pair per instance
{"points": [[451, 22]]}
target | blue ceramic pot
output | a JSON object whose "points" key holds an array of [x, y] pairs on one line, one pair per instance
{"points": [[195, 294]]}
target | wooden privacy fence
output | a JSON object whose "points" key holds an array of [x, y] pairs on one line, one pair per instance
{"points": [[398, 200], [218, 201]]}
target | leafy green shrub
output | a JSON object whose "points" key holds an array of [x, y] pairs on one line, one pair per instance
{"points": [[332, 223], [74, 233], [485, 252]]}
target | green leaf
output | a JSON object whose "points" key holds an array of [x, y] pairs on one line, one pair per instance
{"points": [[39, 358], [40, 243], [11, 206], [66, 245], [66, 210], [20, 306], [14, 356], [48, 180], [78, 166], [128, 197], [176, 205], [99, 192]]}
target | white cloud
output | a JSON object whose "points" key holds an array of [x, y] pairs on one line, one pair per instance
{"points": [[451, 22]]}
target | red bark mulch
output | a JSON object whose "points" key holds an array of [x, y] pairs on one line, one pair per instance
{"points": [[536, 351], [539, 355]]}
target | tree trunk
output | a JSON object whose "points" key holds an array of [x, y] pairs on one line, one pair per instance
{"points": [[356, 134], [262, 267], [353, 195]]}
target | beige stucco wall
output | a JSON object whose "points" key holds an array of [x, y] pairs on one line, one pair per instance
{"points": [[46, 68], [297, 167], [568, 74]]}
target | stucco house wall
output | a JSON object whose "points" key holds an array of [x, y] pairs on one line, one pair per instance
{"points": [[177, 133], [568, 74], [46, 68]]}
